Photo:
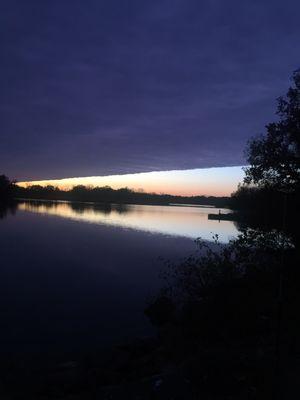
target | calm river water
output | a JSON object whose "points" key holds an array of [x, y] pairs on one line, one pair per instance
{"points": [[76, 276]]}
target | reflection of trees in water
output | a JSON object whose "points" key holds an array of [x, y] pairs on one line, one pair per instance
{"points": [[36, 204], [121, 208], [80, 208], [77, 207], [266, 222], [244, 221], [98, 208], [7, 204], [106, 209], [7, 208], [49, 205]]}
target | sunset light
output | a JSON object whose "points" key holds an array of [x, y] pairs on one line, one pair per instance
{"points": [[206, 181]]}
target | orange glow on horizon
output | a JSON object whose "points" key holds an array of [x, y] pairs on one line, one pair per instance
{"points": [[209, 182]]}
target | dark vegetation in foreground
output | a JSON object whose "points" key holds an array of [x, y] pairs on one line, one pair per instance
{"points": [[223, 332], [221, 320]]}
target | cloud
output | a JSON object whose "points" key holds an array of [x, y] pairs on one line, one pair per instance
{"points": [[116, 87]]}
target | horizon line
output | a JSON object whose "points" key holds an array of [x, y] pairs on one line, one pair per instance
{"points": [[213, 181]]}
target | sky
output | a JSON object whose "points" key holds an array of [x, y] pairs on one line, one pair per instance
{"points": [[205, 181], [100, 88]]}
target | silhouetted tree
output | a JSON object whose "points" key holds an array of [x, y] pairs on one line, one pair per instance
{"points": [[220, 304], [6, 188], [274, 158]]}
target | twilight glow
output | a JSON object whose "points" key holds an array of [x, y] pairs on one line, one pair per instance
{"points": [[206, 181]]}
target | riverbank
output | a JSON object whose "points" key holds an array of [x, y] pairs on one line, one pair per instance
{"points": [[140, 370]]}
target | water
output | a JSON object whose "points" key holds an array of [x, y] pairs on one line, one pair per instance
{"points": [[76, 276]]}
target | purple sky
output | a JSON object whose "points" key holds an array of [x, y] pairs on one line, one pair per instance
{"points": [[110, 87]]}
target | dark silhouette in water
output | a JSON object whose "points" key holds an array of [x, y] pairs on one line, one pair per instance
{"points": [[7, 208], [78, 207], [262, 207], [7, 204], [6, 189]]}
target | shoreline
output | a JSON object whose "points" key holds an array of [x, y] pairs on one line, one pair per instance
{"points": [[116, 203]]}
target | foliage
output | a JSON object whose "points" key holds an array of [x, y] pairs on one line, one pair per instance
{"points": [[275, 158], [224, 291], [6, 188], [217, 314], [214, 266]]}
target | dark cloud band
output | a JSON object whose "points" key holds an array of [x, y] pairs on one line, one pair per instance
{"points": [[99, 88]]}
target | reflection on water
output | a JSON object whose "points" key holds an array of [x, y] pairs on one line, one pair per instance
{"points": [[7, 208], [190, 222], [68, 285]]}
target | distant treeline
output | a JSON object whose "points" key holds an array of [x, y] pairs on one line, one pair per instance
{"points": [[108, 195]]}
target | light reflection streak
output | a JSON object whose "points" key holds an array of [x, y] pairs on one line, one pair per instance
{"points": [[190, 222]]}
